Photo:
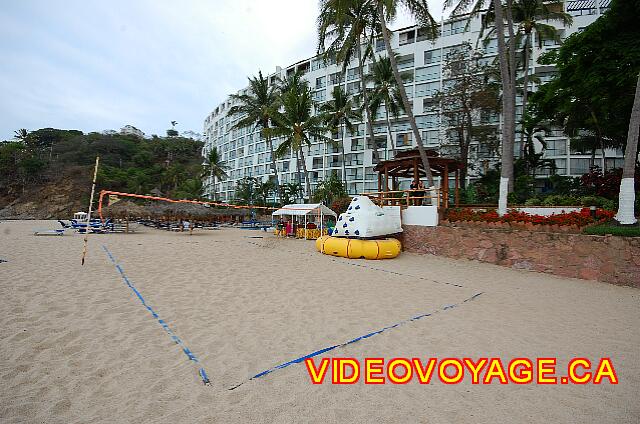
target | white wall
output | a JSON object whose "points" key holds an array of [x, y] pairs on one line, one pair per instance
{"points": [[426, 216], [552, 210]]}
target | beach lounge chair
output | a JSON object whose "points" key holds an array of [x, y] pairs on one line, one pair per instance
{"points": [[48, 232]]}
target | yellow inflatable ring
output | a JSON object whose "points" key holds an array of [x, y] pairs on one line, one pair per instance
{"points": [[359, 249]]}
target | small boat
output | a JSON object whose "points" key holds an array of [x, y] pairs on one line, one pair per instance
{"points": [[80, 224]]}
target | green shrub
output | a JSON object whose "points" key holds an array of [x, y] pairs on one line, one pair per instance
{"points": [[558, 200], [612, 227], [592, 201], [534, 201]]}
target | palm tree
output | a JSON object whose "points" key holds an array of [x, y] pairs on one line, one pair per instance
{"points": [[215, 168], [256, 108], [340, 114], [347, 24], [528, 14], [627, 197], [264, 190], [297, 125], [21, 134], [387, 10], [385, 90], [506, 56], [330, 189]]}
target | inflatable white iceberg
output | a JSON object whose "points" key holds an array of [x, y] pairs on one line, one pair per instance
{"points": [[363, 219]]}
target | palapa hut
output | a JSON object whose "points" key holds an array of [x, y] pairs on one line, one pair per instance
{"points": [[193, 212], [408, 164], [126, 211]]}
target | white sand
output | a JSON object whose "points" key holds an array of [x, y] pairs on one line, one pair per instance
{"points": [[76, 345]]}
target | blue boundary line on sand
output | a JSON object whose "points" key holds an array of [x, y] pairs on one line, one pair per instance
{"points": [[357, 339], [192, 357]]}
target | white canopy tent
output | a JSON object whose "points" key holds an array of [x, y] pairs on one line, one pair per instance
{"points": [[306, 210]]}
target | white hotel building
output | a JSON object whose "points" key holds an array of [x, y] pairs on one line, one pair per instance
{"points": [[246, 153]]}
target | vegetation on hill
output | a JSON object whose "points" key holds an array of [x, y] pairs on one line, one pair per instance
{"points": [[38, 161]]}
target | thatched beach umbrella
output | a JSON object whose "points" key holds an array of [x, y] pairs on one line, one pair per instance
{"points": [[125, 209]]}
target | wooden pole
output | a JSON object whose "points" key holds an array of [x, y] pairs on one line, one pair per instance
{"points": [[457, 188], [445, 185], [88, 228]]}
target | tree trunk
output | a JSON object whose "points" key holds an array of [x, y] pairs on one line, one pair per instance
{"points": [[508, 106], [365, 99], [393, 145], [344, 165], [403, 94], [626, 200], [274, 167], [525, 91], [298, 176], [306, 173], [600, 141]]}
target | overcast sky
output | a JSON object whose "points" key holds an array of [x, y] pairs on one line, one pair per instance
{"points": [[98, 65]]}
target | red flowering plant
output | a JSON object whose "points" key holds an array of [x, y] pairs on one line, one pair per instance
{"points": [[579, 219]]}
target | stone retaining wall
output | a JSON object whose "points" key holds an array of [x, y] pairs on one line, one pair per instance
{"points": [[609, 259]]}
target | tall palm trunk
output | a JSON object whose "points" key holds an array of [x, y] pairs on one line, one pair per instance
{"points": [[344, 165], [508, 106], [403, 94], [365, 99], [306, 173], [274, 167], [298, 175], [525, 91], [393, 145], [626, 200]]}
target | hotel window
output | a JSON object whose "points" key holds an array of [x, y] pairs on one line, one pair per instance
{"points": [[409, 90], [407, 37], [580, 166], [430, 105], [380, 45], [401, 126], [381, 143], [354, 159], [556, 148], [354, 87], [370, 174], [426, 34], [321, 82], [317, 163], [317, 64], [405, 62], [335, 78], [427, 89], [352, 74], [354, 174], [431, 138], [320, 95], [371, 186], [614, 163], [334, 161], [428, 73], [561, 166], [357, 144], [432, 56], [403, 140], [451, 28]]}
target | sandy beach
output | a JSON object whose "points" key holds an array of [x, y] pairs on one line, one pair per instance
{"points": [[78, 346]]}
